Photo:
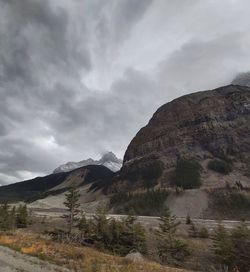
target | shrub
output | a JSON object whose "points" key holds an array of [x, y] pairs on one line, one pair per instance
{"points": [[188, 220], [203, 233], [220, 166], [147, 203], [186, 174]]}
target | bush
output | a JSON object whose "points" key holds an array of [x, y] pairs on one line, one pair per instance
{"points": [[203, 233], [220, 166], [186, 174], [147, 203], [188, 220]]}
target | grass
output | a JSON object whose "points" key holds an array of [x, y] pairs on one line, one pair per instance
{"points": [[74, 257]]}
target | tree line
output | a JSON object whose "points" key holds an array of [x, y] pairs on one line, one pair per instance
{"points": [[231, 248], [12, 218]]}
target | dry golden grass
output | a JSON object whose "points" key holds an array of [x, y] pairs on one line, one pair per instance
{"points": [[74, 257]]}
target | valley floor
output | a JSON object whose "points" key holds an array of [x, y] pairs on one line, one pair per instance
{"points": [[13, 261], [28, 252]]}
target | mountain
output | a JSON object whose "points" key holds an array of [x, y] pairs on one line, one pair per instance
{"points": [[199, 127], [242, 79], [109, 160], [201, 140], [94, 176]]}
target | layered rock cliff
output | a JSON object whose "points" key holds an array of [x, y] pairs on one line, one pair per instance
{"points": [[198, 126]]}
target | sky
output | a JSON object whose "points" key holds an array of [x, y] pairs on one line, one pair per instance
{"points": [[81, 77]]}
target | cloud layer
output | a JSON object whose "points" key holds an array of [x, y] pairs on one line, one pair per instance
{"points": [[78, 78]]}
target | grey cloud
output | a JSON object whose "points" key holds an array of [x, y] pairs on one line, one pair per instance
{"points": [[205, 64], [51, 114], [127, 14], [242, 79]]}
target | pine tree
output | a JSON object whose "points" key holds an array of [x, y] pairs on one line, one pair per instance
{"points": [[168, 225], [22, 216], [4, 217], [13, 218], [222, 244], [72, 205], [170, 249], [101, 226], [232, 248], [85, 226]]}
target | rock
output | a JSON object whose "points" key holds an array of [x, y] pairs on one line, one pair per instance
{"points": [[198, 126], [135, 257]]}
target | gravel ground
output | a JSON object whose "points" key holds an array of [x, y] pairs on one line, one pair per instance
{"points": [[12, 261]]}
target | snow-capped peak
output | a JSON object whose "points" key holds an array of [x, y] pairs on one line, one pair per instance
{"points": [[108, 159]]}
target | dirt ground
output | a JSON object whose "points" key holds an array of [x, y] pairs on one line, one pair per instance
{"points": [[13, 261]]}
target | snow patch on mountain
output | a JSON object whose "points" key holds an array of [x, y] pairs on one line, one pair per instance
{"points": [[109, 160]]}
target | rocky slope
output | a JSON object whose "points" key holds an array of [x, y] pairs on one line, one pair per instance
{"points": [[108, 160], [93, 176], [199, 126]]}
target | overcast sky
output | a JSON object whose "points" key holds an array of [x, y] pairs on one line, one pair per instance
{"points": [[80, 77]]}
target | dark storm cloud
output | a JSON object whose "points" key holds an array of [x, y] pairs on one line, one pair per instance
{"points": [[81, 77]]}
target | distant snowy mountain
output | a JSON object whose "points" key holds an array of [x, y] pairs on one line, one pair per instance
{"points": [[109, 160]]}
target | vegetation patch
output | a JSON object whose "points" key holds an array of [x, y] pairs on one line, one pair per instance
{"points": [[220, 166], [232, 248], [75, 258], [186, 174], [170, 249], [150, 203], [231, 203], [147, 170]]}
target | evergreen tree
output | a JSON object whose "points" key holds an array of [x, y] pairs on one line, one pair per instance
{"points": [[72, 205], [232, 248], [101, 226], [170, 249], [85, 226], [22, 216], [4, 217], [13, 223], [241, 251]]}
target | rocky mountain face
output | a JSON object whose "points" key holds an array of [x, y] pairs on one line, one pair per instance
{"points": [[108, 160], [198, 126]]}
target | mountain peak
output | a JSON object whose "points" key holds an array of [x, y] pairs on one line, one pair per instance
{"points": [[108, 159], [109, 156]]}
